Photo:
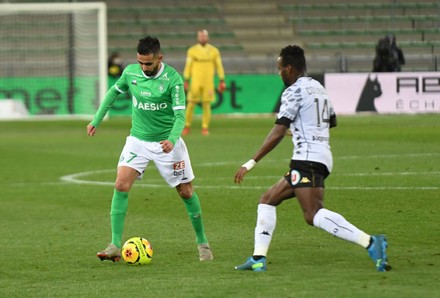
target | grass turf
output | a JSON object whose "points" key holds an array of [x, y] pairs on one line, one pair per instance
{"points": [[385, 180]]}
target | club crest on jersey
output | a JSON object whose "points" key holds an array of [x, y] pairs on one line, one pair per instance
{"points": [[134, 82], [161, 88], [295, 177]]}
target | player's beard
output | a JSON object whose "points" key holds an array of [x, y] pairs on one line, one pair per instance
{"points": [[152, 72]]}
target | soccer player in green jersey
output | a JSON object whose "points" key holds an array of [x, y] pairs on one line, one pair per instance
{"points": [[158, 118]]}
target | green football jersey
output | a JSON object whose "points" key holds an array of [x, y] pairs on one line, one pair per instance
{"points": [[156, 101]]}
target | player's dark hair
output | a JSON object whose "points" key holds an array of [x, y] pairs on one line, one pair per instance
{"points": [[294, 56], [148, 45]]}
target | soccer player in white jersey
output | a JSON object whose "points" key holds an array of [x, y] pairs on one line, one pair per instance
{"points": [[158, 118], [308, 112]]}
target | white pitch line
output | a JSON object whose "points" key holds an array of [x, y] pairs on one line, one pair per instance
{"points": [[414, 155], [76, 179], [389, 155], [388, 174], [245, 187]]}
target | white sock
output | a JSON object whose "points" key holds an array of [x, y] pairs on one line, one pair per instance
{"points": [[337, 225], [266, 222]]}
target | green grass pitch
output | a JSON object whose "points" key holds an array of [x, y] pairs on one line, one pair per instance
{"points": [[56, 188]]}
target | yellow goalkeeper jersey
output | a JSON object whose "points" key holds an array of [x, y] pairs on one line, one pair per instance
{"points": [[201, 64]]}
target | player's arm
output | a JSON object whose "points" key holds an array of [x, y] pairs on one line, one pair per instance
{"points": [[187, 69], [179, 124], [219, 66], [220, 72], [178, 98], [332, 119], [107, 103], [272, 140], [119, 87]]}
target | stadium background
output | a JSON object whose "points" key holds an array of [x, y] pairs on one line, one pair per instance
{"points": [[56, 182], [338, 37]]}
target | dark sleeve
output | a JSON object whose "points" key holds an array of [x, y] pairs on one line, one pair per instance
{"points": [[284, 121], [333, 121], [401, 57]]}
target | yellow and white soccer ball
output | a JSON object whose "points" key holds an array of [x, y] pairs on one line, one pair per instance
{"points": [[137, 251]]}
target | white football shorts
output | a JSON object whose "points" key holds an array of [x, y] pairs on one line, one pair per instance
{"points": [[174, 167]]}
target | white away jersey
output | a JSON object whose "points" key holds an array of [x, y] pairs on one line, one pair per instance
{"points": [[307, 106]]}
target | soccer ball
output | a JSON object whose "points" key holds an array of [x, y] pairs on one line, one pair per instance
{"points": [[137, 251]]}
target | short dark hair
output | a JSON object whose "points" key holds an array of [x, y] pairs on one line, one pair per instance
{"points": [[148, 45], [294, 56]]}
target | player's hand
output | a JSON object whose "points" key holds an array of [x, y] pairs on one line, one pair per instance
{"points": [[221, 87], [167, 146], [91, 130], [239, 176], [186, 86]]}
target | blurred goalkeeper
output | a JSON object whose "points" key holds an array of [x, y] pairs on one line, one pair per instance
{"points": [[307, 111], [202, 61], [158, 118]]}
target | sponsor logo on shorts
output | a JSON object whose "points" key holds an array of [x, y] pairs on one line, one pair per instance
{"points": [[321, 139], [295, 177], [305, 180], [179, 165], [179, 168]]}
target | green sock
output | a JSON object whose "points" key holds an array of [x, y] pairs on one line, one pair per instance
{"points": [[117, 215], [195, 215]]}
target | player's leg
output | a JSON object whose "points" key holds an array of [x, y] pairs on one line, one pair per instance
{"points": [[175, 168], [190, 106], [192, 98], [194, 210], [206, 117], [266, 223], [307, 178], [208, 96], [131, 163], [311, 201], [125, 178]]}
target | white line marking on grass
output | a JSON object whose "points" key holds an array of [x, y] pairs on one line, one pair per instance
{"points": [[414, 155], [389, 155], [77, 178], [388, 174], [384, 188]]}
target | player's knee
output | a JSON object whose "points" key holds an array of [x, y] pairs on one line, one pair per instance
{"points": [[267, 199], [309, 216], [185, 191], [308, 219], [122, 186]]}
